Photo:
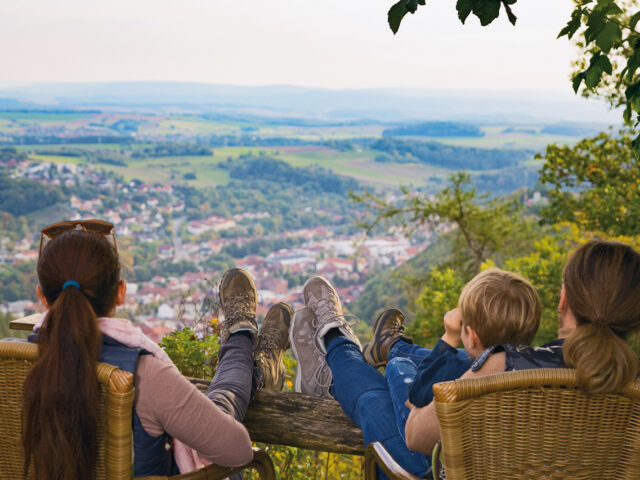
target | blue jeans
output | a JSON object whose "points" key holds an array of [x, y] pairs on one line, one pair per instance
{"points": [[364, 396], [400, 374]]}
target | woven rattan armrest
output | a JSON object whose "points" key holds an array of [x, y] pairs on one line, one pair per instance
{"points": [[378, 455], [261, 463]]}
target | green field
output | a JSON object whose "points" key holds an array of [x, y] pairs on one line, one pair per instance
{"points": [[496, 138], [171, 170]]}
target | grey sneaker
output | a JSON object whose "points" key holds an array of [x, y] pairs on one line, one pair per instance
{"points": [[320, 296], [273, 340], [238, 298], [313, 375]]}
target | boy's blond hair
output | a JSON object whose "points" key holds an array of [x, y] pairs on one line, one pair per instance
{"points": [[501, 307]]}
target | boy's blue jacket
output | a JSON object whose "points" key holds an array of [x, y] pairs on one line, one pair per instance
{"points": [[444, 363]]}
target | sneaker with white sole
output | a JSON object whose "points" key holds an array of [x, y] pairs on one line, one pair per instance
{"points": [[320, 296], [313, 376]]}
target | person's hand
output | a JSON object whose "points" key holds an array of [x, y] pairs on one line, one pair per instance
{"points": [[453, 327], [409, 405]]}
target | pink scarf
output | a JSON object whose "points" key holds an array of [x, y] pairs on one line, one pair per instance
{"points": [[123, 331]]}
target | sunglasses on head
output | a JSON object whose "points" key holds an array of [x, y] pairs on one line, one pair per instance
{"points": [[99, 227]]}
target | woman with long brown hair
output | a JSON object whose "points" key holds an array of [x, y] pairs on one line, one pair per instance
{"points": [[175, 427], [599, 308]]}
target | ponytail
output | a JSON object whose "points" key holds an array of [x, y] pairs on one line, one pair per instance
{"points": [[61, 392], [604, 361], [602, 285]]}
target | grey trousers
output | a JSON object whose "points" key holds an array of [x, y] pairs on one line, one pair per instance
{"points": [[236, 379]]}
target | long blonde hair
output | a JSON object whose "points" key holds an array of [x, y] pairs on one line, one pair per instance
{"points": [[602, 285]]}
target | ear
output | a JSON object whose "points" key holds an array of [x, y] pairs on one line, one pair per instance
{"points": [[562, 304], [566, 319], [121, 293], [474, 341], [42, 298]]}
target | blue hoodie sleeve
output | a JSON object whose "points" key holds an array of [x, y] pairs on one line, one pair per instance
{"points": [[444, 363]]}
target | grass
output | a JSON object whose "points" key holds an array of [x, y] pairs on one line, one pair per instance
{"points": [[58, 159]]}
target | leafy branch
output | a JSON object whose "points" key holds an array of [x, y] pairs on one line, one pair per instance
{"points": [[486, 11]]}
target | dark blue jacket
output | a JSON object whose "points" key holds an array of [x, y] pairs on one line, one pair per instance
{"points": [[443, 363], [151, 455]]}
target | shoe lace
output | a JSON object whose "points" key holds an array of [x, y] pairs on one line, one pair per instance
{"points": [[238, 308], [325, 312], [321, 377], [268, 343]]}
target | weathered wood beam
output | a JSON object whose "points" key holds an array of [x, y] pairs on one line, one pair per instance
{"points": [[298, 420]]}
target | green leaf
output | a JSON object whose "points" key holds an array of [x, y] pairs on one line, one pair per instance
{"points": [[609, 35], [607, 7], [464, 8], [595, 23], [634, 20], [633, 96], [510, 15], [633, 63], [577, 80], [635, 145], [605, 64], [412, 5], [487, 11], [573, 25], [396, 14], [592, 79]]}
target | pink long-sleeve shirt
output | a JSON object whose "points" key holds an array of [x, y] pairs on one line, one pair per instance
{"points": [[166, 401]]}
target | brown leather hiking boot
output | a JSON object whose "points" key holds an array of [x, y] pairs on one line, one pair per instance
{"points": [[387, 330], [238, 298], [273, 340]]}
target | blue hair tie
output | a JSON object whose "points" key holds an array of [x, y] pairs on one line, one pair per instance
{"points": [[72, 283]]}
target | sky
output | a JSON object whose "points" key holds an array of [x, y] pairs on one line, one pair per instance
{"points": [[336, 44]]}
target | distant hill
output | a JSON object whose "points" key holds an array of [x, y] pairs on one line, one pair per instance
{"points": [[570, 130], [399, 287], [382, 104], [435, 129]]}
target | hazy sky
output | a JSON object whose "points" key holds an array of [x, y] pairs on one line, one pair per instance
{"points": [[321, 43]]}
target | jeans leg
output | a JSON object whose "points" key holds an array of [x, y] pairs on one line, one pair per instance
{"points": [[416, 353], [364, 396], [235, 380], [400, 375]]}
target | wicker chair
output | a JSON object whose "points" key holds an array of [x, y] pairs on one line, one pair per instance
{"points": [[533, 424], [114, 427]]}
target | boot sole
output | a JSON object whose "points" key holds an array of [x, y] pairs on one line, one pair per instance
{"points": [[297, 385]]}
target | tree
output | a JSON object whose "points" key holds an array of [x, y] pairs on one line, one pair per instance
{"points": [[606, 36], [483, 227], [594, 184]]}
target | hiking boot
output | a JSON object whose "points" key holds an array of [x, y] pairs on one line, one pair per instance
{"points": [[238, 299], [320, 296], [273, 340], [313, 375], [388, 329]]}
